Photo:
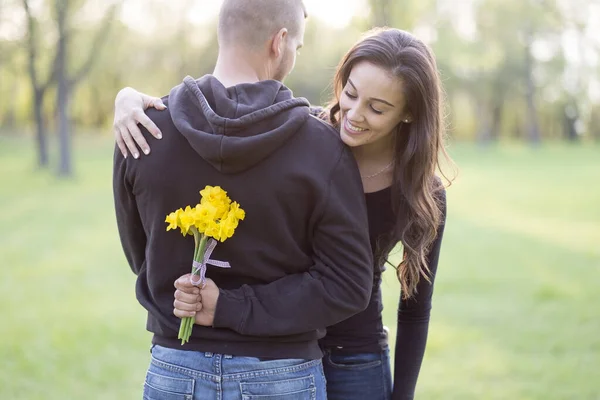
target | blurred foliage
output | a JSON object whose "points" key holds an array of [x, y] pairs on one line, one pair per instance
{"points": [[508, 66]]}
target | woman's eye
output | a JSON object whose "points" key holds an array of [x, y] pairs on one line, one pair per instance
{"points": [[376, 111], [350, 95]]}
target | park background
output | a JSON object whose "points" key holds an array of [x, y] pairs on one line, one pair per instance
{"points": [[516, 311]]}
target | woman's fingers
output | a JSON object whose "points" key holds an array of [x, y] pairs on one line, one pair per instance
{"points": [[147, 123], [119, 140], [158, 104], [137, 136], [126, 136], [129, 111]]}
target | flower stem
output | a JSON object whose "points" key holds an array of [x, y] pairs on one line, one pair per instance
{"points": [[186, 325]]}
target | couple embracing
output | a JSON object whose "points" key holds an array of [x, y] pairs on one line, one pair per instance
{"points": [[328, 193]]}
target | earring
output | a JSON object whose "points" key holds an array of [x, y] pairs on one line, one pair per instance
{"points": [[406, 121]]}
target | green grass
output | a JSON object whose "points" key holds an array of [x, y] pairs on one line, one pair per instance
{"points": [[516, 308]]}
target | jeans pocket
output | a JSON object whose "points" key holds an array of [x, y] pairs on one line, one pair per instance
{"points": [[160, 386], [353, 361], [289, 389]]}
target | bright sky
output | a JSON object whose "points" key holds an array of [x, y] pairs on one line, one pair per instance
{"points": [[337, 13]]}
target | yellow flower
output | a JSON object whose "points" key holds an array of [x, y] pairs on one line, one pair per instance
{"points": [[237, 211], [213, 194], [227, 228], [222, 208], [198, 215], [186, 219], [215, 216], [212, 229], [208, 212], [217, 197], [173, 219]]}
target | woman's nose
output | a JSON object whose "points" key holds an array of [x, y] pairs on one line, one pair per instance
{"points": [[354, 114]]}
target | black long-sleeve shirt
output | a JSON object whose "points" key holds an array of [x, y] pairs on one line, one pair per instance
{"points": [[413, 324], [364, 333]]}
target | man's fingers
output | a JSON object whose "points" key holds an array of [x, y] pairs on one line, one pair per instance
{"points": [[180, 305], [126, 136], [143, 119], [138, 137], [183, 283], [183, 314], [189, 298]]}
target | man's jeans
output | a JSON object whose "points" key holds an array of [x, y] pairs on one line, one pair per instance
{"points": [[191, 375]]}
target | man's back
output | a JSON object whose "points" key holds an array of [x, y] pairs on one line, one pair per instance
{"points": [[305, 225]]}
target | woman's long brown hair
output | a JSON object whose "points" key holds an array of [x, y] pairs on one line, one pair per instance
{"points": [[417, 194]]}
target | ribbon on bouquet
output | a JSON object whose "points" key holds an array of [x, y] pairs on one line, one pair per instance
{"points": [[201, 266]]}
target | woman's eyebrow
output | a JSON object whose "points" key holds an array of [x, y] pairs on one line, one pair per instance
{"points": [[372, 98]]}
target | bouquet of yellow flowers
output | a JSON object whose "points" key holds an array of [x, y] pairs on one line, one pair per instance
{"points": [[215, 218]]}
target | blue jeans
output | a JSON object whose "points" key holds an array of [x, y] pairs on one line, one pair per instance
{"points": [[366, 376], [191, 375]]}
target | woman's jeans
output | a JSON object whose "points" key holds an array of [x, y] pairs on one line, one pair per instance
{"points": [[192, 375], [365, 376]]}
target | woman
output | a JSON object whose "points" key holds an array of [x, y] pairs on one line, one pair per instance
{"points": [[387, 106]]}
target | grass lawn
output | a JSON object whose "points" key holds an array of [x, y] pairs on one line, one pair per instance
{"points": [[516, 308]]}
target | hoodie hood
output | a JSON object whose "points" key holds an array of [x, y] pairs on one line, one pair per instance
{"points": [[236, 128]]}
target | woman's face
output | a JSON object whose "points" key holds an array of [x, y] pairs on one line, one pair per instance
{"points": [[371, 105]]}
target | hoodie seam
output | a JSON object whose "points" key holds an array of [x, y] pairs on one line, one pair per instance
{"points": [[331, 173], [225, 122], [237, 102]]}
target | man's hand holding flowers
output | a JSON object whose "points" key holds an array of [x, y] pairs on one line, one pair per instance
{"points": [[192, 301]]}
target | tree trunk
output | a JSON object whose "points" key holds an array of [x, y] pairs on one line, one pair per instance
{"points": [[570, 120], [381, 12], [39, 89], [62, 100], [41, 137], [594, 125], [533, 131], [483, 123], [10, 117], [497, 111]]}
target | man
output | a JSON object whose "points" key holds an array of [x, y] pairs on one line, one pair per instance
{"points": [[300, 261]]}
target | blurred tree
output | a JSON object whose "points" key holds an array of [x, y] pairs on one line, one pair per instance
{"points": [[504, 72], [9, 65], [323, 49], [533, 130], [406, 15], [39, 86], [381, 11], [576, 103], [501, 61], [595, 122], [66, 81]]}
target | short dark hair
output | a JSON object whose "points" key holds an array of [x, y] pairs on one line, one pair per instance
{"points": [[252, 22]]}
